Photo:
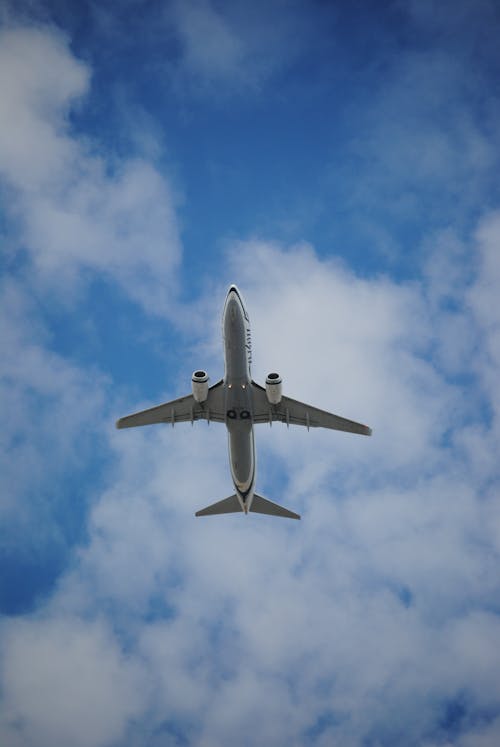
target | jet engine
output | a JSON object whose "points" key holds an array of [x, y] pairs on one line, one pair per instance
{"points": [[273, 388], [200, 385]]}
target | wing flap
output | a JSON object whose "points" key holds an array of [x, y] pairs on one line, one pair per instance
{"points": [[183, 409]]}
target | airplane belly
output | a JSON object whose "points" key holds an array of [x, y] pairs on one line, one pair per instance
{"points": [[241, 457]]}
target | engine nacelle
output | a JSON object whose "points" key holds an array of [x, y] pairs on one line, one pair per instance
{"points": [[199, 383], [273, 388]]}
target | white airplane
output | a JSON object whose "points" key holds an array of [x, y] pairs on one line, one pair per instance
{"points": [[240, 402]]}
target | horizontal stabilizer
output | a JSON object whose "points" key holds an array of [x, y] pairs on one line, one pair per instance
{"points": [[261, 505], [229, 505]]}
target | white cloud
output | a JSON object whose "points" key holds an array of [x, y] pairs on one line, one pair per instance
{"points": [[380, 602], [75, 212], [52, 415], [369, 617], [40, 80], [357, 347], [67, 682], [483, 297], [482, 439]]}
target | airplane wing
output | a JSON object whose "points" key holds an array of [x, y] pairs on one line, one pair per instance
{"points": [[184, 409], [293, 412]]}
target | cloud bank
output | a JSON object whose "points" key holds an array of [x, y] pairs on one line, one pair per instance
{"points": [[374, 620], [379, 603]]}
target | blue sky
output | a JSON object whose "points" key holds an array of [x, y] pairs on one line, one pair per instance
{"points": [[339, 162]]}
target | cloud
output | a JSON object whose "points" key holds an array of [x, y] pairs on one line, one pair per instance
{"points": [[423, 135], [210, 46], [367, 342], [52, 414], [482, 297], [422, 150], [76, 213], [375, 618], [380, 602], [233, 48], [66, 681], [40, 80]]}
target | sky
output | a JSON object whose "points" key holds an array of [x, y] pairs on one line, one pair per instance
{"points": [[339, 162]]}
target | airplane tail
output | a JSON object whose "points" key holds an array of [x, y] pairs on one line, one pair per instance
{"points": [[229, 505], [261, 505]]}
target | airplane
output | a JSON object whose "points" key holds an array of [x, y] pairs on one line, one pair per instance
{"points": [[240, 403]]}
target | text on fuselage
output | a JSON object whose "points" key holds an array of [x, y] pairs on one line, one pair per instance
{"points": [[248, 344]]}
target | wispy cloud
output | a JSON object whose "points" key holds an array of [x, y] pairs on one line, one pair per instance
{"points": [[52, 418], [232, 48], [381, 603], [77, 212], [375, 619]]}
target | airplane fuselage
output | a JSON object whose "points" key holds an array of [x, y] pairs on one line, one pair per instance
{"points": [[238, 396]]}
